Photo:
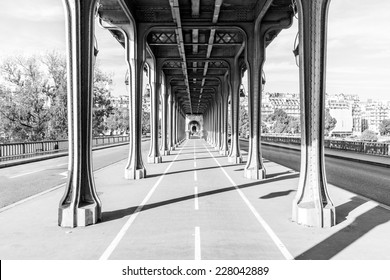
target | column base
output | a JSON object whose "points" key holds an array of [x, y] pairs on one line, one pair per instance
{"points": [[87, 215], [155, 159], [308, 214], [254, 173], [235, 159], [135, 175], [224, 153], [165, 153]]}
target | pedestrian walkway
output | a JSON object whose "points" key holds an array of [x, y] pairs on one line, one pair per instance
{"points": [[195, 205]]}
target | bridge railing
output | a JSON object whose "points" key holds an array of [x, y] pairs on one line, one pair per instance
{"points": [[27, 149], [373, 148]]}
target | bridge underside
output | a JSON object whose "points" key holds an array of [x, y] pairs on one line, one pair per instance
{"points": [[195, 52]]}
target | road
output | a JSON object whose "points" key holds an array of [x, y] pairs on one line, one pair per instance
{"points": [[22, 181], [361, 178]]}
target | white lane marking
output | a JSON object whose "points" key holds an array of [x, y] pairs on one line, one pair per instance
{"points": [[195, 176], [27, 173], [30, 198], [65, 174], [62, 164], [198, 255], [282, 248], [196, 198], [194, 163], [107, 253]]}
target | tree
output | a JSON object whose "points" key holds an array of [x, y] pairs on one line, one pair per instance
{"points": [[281, 122], [118, 121], [384, 127], [243, 121], [145, 121], [330, 122], [369, 135], [24, 103]]}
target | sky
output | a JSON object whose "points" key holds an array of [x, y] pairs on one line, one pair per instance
{"points": [[358, 57]]}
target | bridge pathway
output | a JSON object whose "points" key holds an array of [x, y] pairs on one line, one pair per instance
{"points": [[195, 205]]}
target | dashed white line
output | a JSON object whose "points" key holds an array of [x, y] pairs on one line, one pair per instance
{"points": [[107, 253], [198, 255], [195, 176], [279, 244], [196, 198]]}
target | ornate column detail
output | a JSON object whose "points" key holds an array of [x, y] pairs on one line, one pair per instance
{"points": [[155, 79], [235, 155], [312, 205], [164, 119], [80, 204]]}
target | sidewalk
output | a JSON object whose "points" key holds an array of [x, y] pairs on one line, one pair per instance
{"points": [[217, 212]]}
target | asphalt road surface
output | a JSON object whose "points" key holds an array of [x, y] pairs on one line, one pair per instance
{"points": [[361, 178]]}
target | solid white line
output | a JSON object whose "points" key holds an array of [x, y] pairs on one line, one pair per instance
{"points": [[282, 248], [28, 173], [107, 253], [195, 176], [194, 163], [196, 198], [197, 244]]}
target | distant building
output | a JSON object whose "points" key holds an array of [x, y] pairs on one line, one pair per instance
{"points": [[121, 101], [374, 112], [288, 102]]}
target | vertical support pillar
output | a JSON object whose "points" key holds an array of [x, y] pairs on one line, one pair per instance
{"points": [[155, 82], [171, 113], [235, 155], [224, 145], [254, 168], [135, 50], [312, 205], [80, 205], [164, 119]]}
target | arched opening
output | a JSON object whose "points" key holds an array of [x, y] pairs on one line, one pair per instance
{"points": [[194, 129]]}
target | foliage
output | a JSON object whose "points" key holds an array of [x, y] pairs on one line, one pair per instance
{"points": [[145, 121], [369, 135], [281, 122], [384, 127], [33, 98], [330, 123], [118, 121], [102, 107], [243, 121]]}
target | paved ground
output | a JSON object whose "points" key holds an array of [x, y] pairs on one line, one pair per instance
{"points": [[195, 205]]}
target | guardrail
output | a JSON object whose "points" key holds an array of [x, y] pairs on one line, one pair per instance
{"points": [[26, 149], [373, 148]]}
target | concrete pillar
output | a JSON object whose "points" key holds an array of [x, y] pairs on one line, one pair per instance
{"points": [[80, 204], [235, 155], [254, 168], [164, 119], [312, 205], [155, 88]]}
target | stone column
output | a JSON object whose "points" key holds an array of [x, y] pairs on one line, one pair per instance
{"points": [[235, 155], [217, 123], [164, 120], [80, 204], [312, 205], [155, 88]]}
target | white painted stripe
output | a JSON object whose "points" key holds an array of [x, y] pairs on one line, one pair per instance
{"points": [[65, 174], [195, 176], [107, 253], [279, 244], [198, 255], [27, 173], [196, 198], [194, 163]]}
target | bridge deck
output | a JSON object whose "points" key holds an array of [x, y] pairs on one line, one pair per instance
{"points": [[196, 205]]}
